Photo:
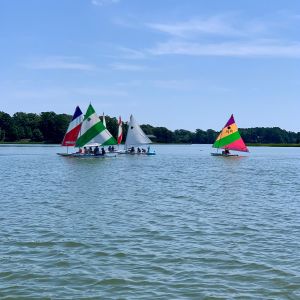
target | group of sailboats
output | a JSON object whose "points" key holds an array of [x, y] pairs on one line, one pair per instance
{"points": [[88, 131]]}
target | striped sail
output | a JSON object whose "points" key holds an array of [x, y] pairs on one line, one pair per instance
{"points": [[93, 131], [230, 138], [73, 129], [120, 131]]}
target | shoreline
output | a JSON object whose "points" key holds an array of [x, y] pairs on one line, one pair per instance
{"points": [[249, 144]]}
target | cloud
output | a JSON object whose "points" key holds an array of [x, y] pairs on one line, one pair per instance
{"points": [[216, 25], [59, 63], [104, 2], [133, 54], [232, 49], [227, 35], [127, 67]]}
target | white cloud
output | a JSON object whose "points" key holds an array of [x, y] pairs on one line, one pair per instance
{"points": [[104, 2], [59, 63], [127, 67], [213, 25], [227, 35], [133, 54], [233, 49]]}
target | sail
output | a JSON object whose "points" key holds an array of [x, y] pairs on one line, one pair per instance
{"points": [[73, 128], [135, 134], [93, 131], [230, 138], [103, 120], [120, 131]]}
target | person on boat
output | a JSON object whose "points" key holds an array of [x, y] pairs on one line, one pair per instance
{"points": [[112, 149], [226, 152], [143, 150], [148, 149], [132, 150], [103, 151], [139, 150], [90, 150], [85, 150], [109, 148], [96, 151]]}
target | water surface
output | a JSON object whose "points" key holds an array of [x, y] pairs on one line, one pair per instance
{"points": [[178, 225]]}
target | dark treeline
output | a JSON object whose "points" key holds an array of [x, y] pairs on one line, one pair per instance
{"points": [[50, 127]]}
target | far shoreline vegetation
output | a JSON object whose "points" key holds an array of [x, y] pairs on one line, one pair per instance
{"points": [[50, 128]]}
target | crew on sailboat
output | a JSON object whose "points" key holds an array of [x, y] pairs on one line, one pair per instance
{"points": [[96, 151], [226, 152]]}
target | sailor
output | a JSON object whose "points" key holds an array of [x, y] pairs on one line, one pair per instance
{"points": [[139, 150], [96, 151], [226, 152], [85, 150], [132, 149], [103, 151]]}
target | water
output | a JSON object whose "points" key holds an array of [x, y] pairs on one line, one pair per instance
{"points": [[178, 225]]}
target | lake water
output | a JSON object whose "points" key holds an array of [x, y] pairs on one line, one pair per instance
{"points": [[178, 225]]}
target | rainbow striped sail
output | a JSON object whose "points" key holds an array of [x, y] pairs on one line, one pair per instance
{"points": [[230, 138]]}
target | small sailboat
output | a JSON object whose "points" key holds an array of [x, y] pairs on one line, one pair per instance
{"points": [[120, 131], [72, 131], [92, 133], [136, 137], [229, 139]]}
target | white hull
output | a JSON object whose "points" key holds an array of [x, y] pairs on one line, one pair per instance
{"points": [[80, 155], [224, 155]]}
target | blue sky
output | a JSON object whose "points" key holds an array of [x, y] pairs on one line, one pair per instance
{"points": [[179, 64]]}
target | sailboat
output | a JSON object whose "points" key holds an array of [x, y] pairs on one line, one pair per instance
{"points": [[120, 131], [229, 139], [92, 133], [136, 137], [72, 131]]}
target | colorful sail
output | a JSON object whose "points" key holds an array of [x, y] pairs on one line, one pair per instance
{"points": [[120, 131], [103, 120], [135, 134], [230, 138], [93, 131], [73, 129]]}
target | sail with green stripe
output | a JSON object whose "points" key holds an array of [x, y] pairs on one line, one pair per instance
{"points": [[230, 138], [93, 131]]}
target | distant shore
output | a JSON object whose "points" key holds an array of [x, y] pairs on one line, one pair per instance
{"points": [[248, 144], [273, 145]]}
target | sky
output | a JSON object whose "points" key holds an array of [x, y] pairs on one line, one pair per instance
{"points": [[179, 64]]}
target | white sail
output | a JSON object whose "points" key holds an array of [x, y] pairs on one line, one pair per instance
{"points": [[103, 120], [135, 134]]}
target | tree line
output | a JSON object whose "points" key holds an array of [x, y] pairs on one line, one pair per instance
{"points": [[50, 127]]}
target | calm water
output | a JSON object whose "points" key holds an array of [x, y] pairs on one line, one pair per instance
{"points": [[180, 225]]}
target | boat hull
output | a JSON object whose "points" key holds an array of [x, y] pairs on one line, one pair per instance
{"points": [[80, 155], [136, 153], [224, 155]]}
